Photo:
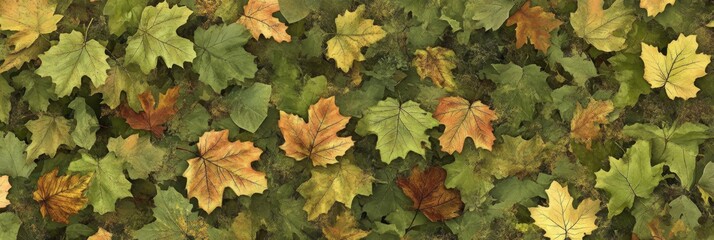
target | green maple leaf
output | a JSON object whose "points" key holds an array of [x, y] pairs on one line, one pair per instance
{"points": [[221, 57], [578, 65], [5, 104], [129, 80], [386, 197], [473, 182], [565, 99], [400, 128], [644, 212], [604, 29], [48, 133], [9, 226], [84, 133], [279, 212], [38, 90], [174, 220], [683, 208], [108, 182], [518, 91], [140, 156], [293, 94], [296, 10], [13, 161], [676, 146], [629, 71], [354, 102], [488, 14], [123, 14], [156, 37], [190, 122], [630, 177], [340, 182], [706, 182], [72, 58], [249, 106]]}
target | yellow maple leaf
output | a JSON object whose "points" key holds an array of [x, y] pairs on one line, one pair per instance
{"points": [[344, 228], [61, 196], [678, 70], [258, 18], [560, 220], [318, 139], [655, 7], [101, 234], [584, 127], [29, 18], [353, 33], [436, 63], [535, 24], [17, 58], [221, 164]]}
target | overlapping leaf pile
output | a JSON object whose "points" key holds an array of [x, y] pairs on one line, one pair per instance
{"points": [[375, 119]]}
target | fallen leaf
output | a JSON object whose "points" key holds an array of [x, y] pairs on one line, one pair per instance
{"points": [[436, 63], [61, 196], [678, 70], [101, 234], [29, 18], [344, 228], [317, 139], [353, 33], [535, 24], [598, 26], [140, 156], [429, 195], [585, 125], [17, 58], [152, 118], [655, 7], [560, 220], [48, 133], [220, 164], [258, 18], [462, 120], [4, 189]]}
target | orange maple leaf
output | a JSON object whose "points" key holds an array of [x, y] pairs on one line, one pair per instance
{"points": [[152, 119], [585, 125], [463, 119], [61, 196], [258, 18], [221, 164], [429, 194], [318, 139], [535, 24]]}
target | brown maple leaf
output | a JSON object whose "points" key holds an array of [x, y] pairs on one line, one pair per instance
{"points": [[318, 139], [152, 119], [463, 119], [429, 194], [61, 196], [221, 164], [585, 125], [535, 24], [258, 18]]}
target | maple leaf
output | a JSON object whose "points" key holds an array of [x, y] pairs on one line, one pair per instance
{"points": [[152, 118], [156, 37], [340, 182], [61, 196], [129, 80], [221, 57], [5, 101], [353, 33], [17, 58], [489, 14], [29, 18], [628, 178], [429, 194], [108, 182], [138, 153], [72, 58], [344, 228], [560, 220], [258, 18], [84, 133], [123, 14], [48, 133], [597, 26], [535, 24], [13, 161], [678, 70], [463, 119], [584, 127], [436, 63], [655, 7], [317, 139], [4, 189], [101, 234], [400, 128], [221, 164]]}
